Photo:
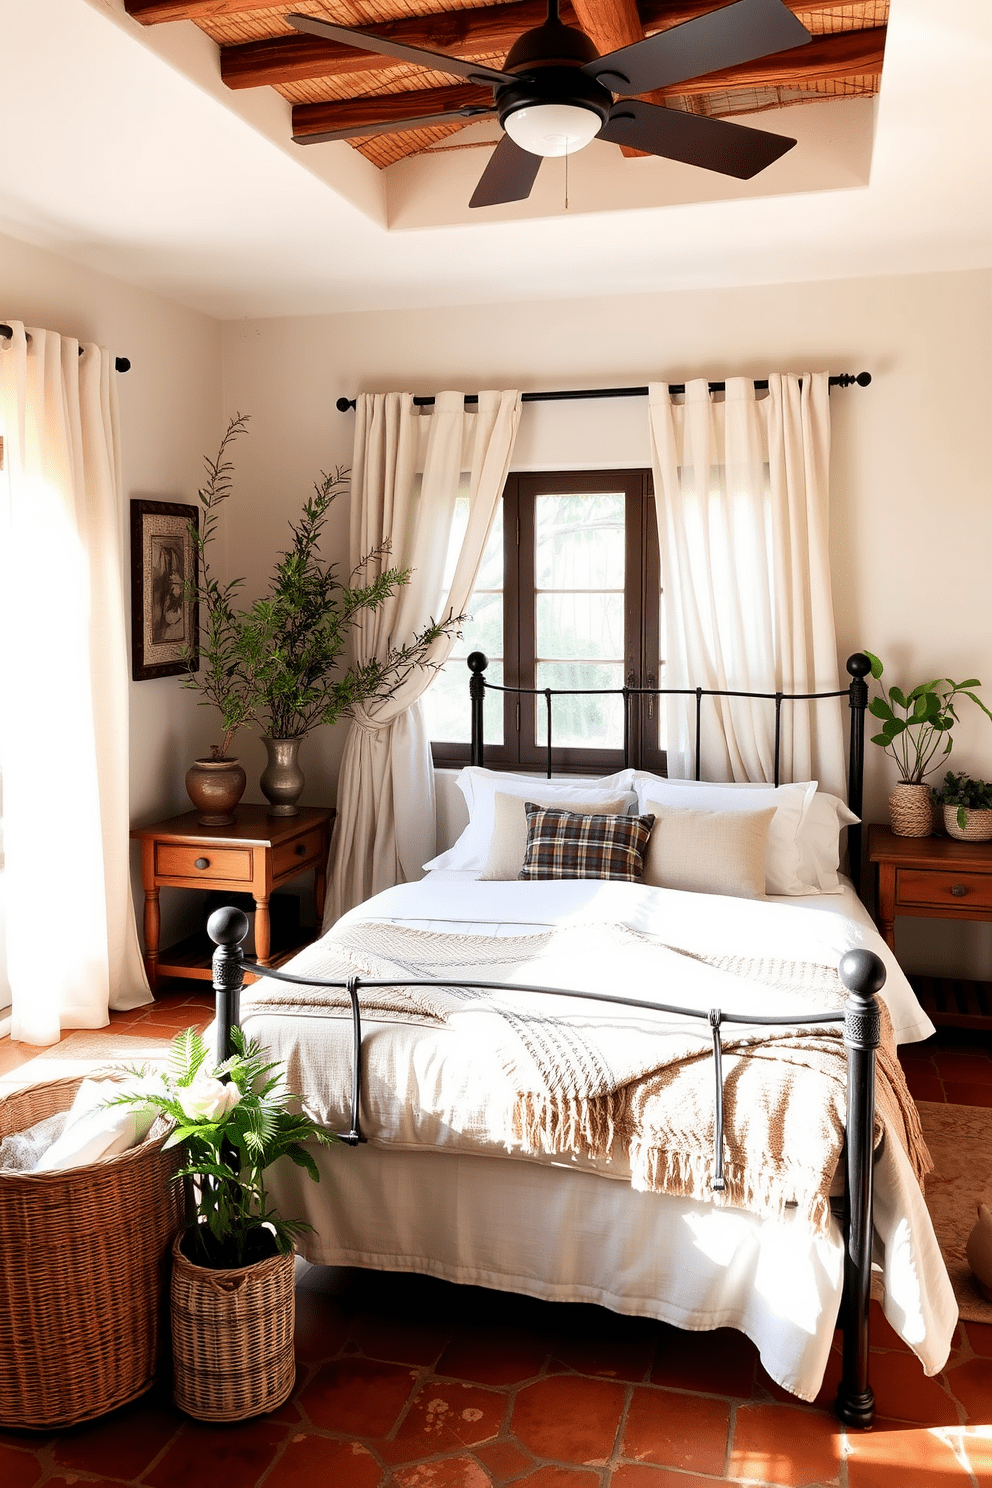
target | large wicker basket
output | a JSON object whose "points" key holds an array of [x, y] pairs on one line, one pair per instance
{"points": [[232, 1337], [84, 1258]]}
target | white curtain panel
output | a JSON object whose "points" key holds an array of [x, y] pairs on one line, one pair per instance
{"points": [[385, 823], [72, 946], [741, 488]]}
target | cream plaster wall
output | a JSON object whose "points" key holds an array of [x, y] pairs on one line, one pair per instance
{"points": [[169, 416], [911, 508]]}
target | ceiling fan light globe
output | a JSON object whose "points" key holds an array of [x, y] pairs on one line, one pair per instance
{"points": [[552, 128]]}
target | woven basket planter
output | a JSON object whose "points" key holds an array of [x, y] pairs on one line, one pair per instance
{"points": [[911, 810], [977, 828], [84, 1258], [232, 1337]]}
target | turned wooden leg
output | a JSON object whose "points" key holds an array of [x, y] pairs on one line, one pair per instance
{"points": [[263, 933], [153, 929], [886, 912]]}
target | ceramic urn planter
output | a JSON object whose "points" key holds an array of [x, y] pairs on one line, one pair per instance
{"points": [[215, 787]]}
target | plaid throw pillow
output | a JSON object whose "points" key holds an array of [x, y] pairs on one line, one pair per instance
{"points": [[567, 844]]}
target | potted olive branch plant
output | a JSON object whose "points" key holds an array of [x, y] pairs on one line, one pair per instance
{"points": [[232, 1280], [916, 733], [279, 662], [966, 806]]}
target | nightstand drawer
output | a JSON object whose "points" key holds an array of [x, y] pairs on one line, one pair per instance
{"points": [[948, 889], [231, 863], [295, 856]]}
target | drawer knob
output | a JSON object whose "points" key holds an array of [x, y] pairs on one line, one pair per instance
{"points": [[959, 890], [300, 849], [205, 863]]}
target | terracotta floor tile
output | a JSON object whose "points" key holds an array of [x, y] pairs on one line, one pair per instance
{"points": [[925, 1087], [968, 1094], [673, 1430], [18, 1469], [125, 1441], [396, 1340], [559, 1477], [893, 1456], [637, 1475], [494, 1356], [503, 1460], [203, 1456], [980, 1338], [785, 1445], [881, 1333], [952, 1065], [624, 1353], [569, 1419], [976, 1443], [904, 1393], [310, 1461], [321, 1326], [445, 1417], [721, 1362], [450, 1472], [826, 1395], [971, 1383], [358, 1396]]}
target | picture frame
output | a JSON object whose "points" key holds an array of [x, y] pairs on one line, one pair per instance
{"points": [[163, 561]]}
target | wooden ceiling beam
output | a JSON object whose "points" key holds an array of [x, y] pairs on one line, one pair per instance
{"points": [[827, 58], [487, 30], [350, 113], [611, 24]]}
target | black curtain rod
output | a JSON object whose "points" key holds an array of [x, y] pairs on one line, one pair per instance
{"points": [[121, 364], [845, 379]]}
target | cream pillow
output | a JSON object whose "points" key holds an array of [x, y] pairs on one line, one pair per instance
{"points": [[508, 844], [708, 852]]}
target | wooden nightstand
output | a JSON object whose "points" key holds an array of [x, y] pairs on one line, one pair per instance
{"points": [[935, 878], [255, 855]]}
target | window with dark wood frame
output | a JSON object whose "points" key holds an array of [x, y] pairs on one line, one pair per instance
{"points": [[580, 604]]}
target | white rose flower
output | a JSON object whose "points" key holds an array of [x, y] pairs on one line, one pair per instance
{"points": [[208, 1099]]}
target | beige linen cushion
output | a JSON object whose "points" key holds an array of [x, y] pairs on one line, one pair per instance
{"points": [[508, 845], [708, 852]]}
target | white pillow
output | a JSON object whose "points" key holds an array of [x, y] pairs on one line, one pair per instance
{"points": [[819, 840], [708, 852], [508, 846], [784, 870], [479, 787], [94, 1130]]}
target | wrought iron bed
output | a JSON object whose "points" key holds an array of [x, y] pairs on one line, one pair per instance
{"points": [[861, 972]]}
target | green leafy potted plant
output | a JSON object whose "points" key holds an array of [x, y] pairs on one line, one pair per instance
{"points": [[232, 1279], [278, 662], [916, 733], [966, 805]]}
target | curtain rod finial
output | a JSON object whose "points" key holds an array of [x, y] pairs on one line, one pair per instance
{"points": [[343, 404]]}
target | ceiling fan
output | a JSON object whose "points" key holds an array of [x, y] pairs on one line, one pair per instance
{"points": [[554, 93]]}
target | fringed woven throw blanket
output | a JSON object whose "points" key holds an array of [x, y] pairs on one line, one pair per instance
{"points": [[602, 1080]]}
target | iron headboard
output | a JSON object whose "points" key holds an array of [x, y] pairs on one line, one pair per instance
{"points": [[858, 667]]}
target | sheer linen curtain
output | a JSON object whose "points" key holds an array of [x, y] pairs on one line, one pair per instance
{"points": [[385, 824], [72, 944], [741, 488]]}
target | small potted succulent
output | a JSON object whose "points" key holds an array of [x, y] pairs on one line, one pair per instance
{"points": [[967, 807], [916, 733], [232, 1278]]}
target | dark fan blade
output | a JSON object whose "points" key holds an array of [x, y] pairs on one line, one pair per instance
{"points": [[714, 144], [723, 38], [390, 126], [508, 177], [366, 42]]}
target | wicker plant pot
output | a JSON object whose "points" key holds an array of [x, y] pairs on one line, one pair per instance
{"points": [[232, 1337], [911, 810], [977, 828], [84, 1257]]}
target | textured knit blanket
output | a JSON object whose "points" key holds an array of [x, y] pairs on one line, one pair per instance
{"points": [[601, 1080]]}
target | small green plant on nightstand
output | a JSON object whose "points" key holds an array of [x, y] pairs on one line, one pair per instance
{"points": [[916, 726], [966, 794]]}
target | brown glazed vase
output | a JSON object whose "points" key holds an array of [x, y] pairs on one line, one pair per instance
{"points": [[911, 810], [215, 787]]}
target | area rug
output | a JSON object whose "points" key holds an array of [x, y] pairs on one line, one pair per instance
{"points": [[81, 1054], [960, 1142]]}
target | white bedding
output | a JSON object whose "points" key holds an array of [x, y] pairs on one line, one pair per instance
{"points": [[441, 1196]]}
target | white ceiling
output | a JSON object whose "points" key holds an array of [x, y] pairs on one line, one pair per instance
{"points": [[123, 150]]}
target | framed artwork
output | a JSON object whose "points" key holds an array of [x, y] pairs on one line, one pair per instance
{"points": [[163, 559]]}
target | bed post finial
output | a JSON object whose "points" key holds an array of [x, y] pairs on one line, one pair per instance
{"points": [[227, 928], [477, 663], [858, 667], [863, 974]]}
